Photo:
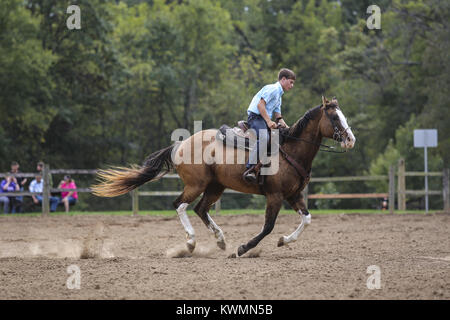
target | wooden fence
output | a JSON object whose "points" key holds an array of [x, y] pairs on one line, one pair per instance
{"points": [[390, 194]]}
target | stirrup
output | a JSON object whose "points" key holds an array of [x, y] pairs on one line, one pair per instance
{"points": [[251, 175]]}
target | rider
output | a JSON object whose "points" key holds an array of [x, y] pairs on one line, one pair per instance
{"points": [[265, 103]]}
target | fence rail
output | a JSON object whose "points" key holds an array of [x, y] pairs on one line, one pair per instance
{"points": [[135, 194]]}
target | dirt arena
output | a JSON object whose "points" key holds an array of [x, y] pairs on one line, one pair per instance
{"points": [[124, 257]]}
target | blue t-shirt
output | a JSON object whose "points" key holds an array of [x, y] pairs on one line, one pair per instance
{"points": [[271, 94], [11, 187]]}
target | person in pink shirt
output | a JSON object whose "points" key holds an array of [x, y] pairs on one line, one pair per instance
{"points": [[68, 197]]}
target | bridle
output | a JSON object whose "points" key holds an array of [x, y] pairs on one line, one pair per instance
{"points": [[338, 136]]}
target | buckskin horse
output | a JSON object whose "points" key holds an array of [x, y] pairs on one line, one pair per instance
{"points": [[207, 175]]}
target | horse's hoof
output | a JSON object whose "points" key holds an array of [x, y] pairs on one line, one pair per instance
{"points": [[280, 242], [241, 250], [222, 245], [232, 256], [190, 245]]}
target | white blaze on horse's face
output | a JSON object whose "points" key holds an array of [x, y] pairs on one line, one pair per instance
{"points": [[349, 139]]}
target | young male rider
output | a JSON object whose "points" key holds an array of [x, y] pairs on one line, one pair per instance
{"points": [[264, 105]]}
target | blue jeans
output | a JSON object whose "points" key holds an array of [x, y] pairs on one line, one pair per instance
{"points": [[257, 123], [17, 203], [5, 201], [53, 202], [72, 200]]}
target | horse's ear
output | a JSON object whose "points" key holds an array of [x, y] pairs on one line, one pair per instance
{"points": [[324, 101], [335, 100]]}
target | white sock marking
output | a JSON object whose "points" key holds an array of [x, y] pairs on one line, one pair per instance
{"points": [[185, 222], [306, 221], [215, 228]]}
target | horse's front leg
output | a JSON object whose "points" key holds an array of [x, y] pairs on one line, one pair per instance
{"points": [[298, 204], [273, 207]]}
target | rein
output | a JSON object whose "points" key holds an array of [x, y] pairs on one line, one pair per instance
{"points": [[314, 143]]}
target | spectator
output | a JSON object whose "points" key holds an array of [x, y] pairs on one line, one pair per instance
{"points": [[68, 198], [21, 182], [9, 185], [37, 185], [40, 167], [4, 200]]}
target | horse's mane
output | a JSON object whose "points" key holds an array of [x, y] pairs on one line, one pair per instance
{"points": [[297, 127]]}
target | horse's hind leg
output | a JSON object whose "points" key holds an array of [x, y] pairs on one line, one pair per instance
{"points": [[274, 203], [190, 193], [212, 193]]}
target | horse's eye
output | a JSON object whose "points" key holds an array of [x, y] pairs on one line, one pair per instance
{"points": [[335, 118]]}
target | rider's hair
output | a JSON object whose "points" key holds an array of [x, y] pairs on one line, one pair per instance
{"points": [[286, 73]]}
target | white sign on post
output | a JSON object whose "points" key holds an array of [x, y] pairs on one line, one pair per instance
{"points": [[425, 138]]}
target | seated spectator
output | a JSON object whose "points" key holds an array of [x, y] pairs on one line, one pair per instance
{"points": [[9, 185], [37, 185], [21, 182], [68, 198], [4, 200]]}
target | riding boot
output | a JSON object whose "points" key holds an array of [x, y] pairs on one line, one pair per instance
{"points": [[251, 174]]}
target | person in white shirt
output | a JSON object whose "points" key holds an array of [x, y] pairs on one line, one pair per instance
{"points": [[37, 185]]}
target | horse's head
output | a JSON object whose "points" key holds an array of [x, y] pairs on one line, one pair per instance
{"points": [[333, 124]]}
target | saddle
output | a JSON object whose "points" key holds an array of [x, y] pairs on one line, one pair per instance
{"points": [[238, 137]]}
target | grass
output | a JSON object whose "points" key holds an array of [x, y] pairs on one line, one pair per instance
{"points": [[170, 213]]}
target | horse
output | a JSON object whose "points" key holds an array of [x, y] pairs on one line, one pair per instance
{"points": [[214, 171]]}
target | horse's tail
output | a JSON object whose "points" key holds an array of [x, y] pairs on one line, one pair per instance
{"points": [[120, 180]]}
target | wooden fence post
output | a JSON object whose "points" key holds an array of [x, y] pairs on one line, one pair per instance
{"points": [[446, 187], [46, 190], [391, 189], [135, 201], [401, 185], [217, 206]]}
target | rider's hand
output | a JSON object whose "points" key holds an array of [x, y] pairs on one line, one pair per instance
{"points": [[282, 124], [272, 125]]}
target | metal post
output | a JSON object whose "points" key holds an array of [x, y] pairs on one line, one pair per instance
{"points": [[425, 155], [46, 190], [391, 189], [135, 201], [401, 185], [446, 187]]}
